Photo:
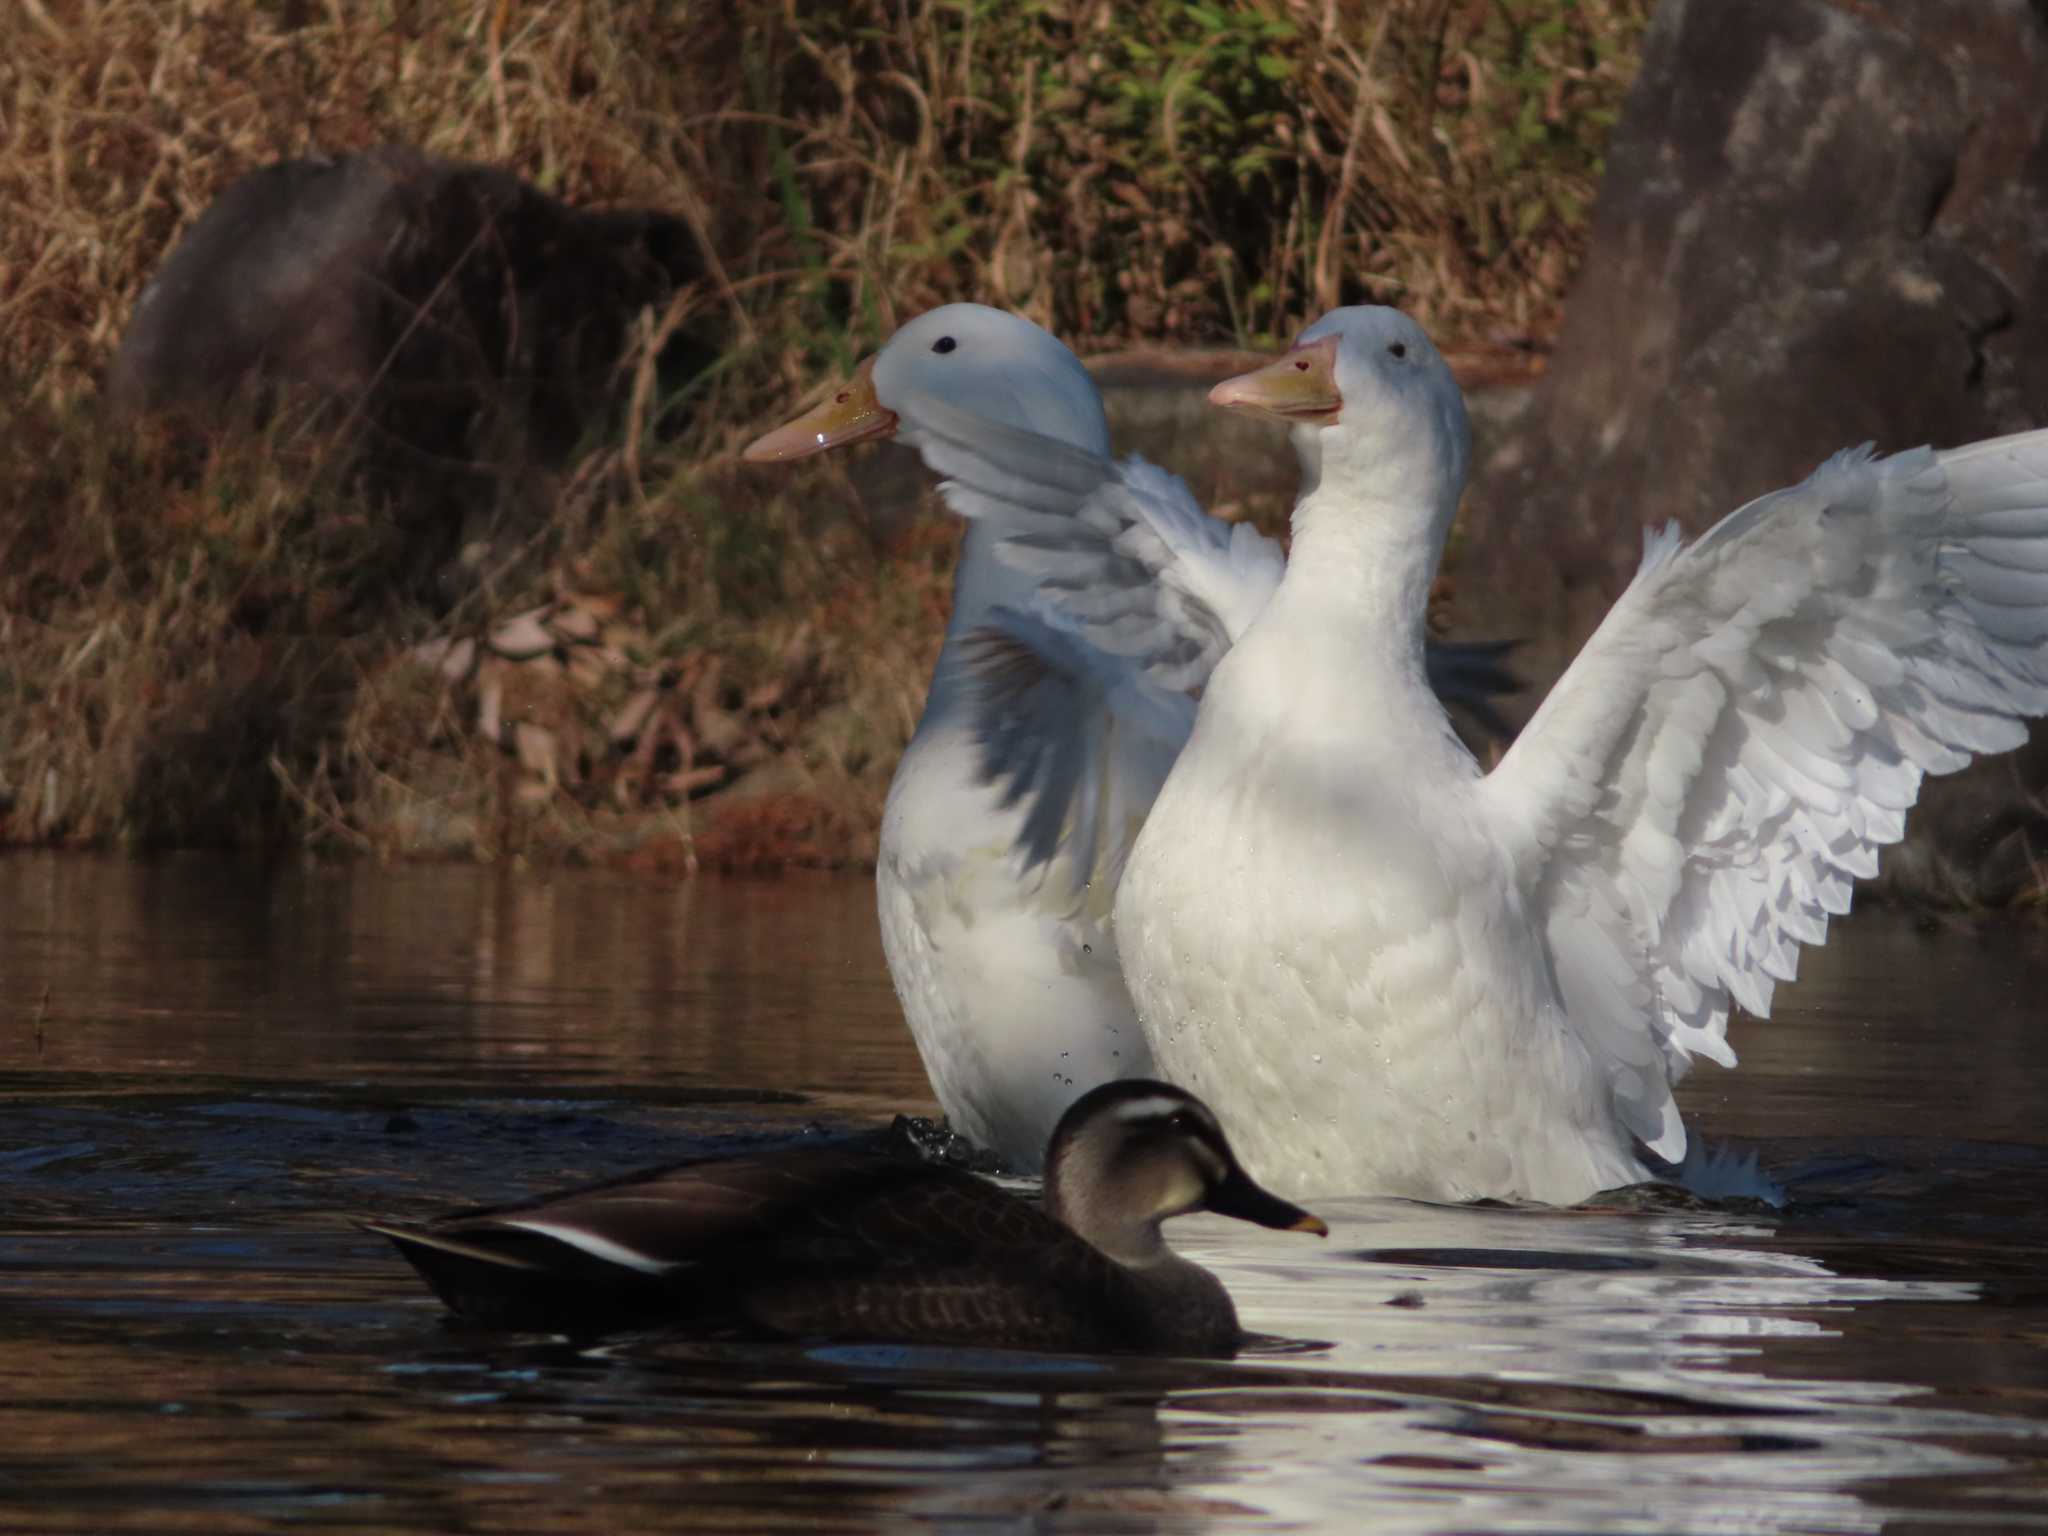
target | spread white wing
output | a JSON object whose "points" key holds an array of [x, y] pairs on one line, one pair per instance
{"points": [[1750, 725]]}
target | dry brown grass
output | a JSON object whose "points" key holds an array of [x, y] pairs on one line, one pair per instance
{"points": [[186, 634], [1161, 170]]}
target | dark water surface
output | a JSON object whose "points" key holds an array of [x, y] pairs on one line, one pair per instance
{"points": [[203, 1069]]}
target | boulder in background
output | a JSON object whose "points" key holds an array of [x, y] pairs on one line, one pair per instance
{"points": [[1821, 223]]}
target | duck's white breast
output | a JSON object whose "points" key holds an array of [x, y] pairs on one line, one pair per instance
{"points": [[1323, 943], [1012, 989]]}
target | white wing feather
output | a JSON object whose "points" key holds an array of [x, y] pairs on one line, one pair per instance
{"points": [[1750, 724], [1123, 548]]}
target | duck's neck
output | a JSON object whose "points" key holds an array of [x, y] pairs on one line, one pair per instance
{"points": [[982, 582], [1136, 1243], [1360, 571], [1377, 497]]}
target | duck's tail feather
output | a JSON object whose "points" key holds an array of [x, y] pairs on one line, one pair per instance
{"points": [[503, 1277], [1471, 674]]}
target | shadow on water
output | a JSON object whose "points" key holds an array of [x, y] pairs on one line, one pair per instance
{"points": [[190, 1334]]}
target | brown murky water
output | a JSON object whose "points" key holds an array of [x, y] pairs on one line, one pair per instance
{"points": [[204, 1068]]}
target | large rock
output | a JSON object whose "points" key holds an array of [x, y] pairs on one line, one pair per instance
{"points": [[1822, 223]]}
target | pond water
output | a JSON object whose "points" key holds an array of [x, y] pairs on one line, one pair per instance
{"points": [[205, 1068]]}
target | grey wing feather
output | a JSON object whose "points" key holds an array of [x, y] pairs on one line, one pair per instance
{"points": [[1123, 549], [1082, 735]]}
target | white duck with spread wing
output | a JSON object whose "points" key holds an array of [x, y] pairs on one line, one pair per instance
{"points": [[1397, 973]]}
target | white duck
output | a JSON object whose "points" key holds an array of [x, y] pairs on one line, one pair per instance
{"points": [[995, 898], [1391, 972]]}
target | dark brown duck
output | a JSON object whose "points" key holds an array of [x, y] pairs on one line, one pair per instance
{"points": [[842, 1242]]}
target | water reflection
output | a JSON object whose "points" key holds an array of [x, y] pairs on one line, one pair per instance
{"points": [[1546, 1362], [442, 973], [190, 1335]]}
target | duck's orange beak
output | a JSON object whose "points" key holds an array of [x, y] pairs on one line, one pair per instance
{"points": [[1301, 386], [850, 414]]}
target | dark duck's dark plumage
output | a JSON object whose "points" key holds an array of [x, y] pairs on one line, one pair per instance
{"points": [[843, 1242]]}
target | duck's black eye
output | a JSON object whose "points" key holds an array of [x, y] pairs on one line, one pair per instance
{"points": [[1181, 1123], [1398, 348], [944, 344]]}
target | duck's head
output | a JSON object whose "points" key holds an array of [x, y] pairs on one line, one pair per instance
{"points": [[985, 361], [1367, 394], [1131, 1154]]}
